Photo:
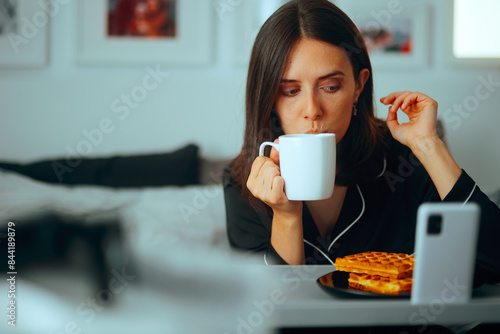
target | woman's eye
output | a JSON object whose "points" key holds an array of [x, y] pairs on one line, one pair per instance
{"points": [[291, 92], [331, 88]]}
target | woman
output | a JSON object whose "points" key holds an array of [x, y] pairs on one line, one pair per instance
{"points": [[310, 72]]}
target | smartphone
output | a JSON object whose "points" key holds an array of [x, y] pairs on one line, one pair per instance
{"points": [[445, 253]]}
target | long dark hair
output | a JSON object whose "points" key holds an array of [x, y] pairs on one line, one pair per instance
{"points": [[321, 20]]}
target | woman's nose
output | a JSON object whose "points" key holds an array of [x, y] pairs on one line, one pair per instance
{"points": [[313, 109]]}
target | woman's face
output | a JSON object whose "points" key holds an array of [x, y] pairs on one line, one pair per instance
{"points": [[318, 89]]}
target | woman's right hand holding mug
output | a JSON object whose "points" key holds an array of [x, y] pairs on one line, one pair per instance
{"points": [[265, 183]]}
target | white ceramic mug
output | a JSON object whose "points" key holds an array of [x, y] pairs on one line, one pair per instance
{"points": [[307, 164]]}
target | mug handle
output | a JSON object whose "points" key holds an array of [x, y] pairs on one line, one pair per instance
{"points": [[267, 143]]}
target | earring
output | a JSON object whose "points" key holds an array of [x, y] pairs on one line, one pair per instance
{"points": [[354, 110]]}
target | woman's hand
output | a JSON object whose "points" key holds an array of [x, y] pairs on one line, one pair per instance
{"points": [[420, 135], [422, 114], [265, 183]]}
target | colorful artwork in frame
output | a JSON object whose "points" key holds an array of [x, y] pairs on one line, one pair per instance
{"points": [[142, 18], [144, 32], [396, 37]]}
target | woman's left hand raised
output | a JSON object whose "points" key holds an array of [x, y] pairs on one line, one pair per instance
{"points": [[422, 114]]}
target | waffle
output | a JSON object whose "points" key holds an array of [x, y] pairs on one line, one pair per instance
{"points": [[380, 284], [393, 265]]}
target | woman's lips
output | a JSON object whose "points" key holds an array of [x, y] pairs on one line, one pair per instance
{"points": [[314, 132]]}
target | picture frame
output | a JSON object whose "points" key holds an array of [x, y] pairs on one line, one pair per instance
{"points": [[397, 34], [24, 43], [190, 46]]}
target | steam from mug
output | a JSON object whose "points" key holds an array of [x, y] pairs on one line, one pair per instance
{"points": [[307, 164]]}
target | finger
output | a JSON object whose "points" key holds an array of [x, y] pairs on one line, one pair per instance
{"points": [[257, 165], [278, 189], [419, 98], [266, 175], [269, 174], [389, 99], [398, 102], [392, 120], [275, 156], [412, 98], [276, 195]]}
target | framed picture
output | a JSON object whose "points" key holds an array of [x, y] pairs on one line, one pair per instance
{"points": [[396, 35], [142, 32], [24, 26]]}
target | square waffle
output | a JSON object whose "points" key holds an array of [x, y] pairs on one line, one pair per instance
{"points": [[380, 284], [393, 265]]}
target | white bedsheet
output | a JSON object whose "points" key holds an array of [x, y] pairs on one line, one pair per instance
{"points": [[192, 215]]}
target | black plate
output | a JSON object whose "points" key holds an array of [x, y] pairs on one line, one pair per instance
{"points": [[337, 283]]}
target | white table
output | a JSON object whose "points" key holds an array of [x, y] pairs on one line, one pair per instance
{"points": [[219, 296], [305, 304]]}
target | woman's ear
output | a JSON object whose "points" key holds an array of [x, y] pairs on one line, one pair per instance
{"points": [[363, 76]]}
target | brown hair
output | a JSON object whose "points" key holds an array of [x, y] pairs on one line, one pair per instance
{"points": [[321, 20]]}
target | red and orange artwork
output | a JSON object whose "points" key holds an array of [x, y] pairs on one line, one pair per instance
{"points": [[142, 18]]}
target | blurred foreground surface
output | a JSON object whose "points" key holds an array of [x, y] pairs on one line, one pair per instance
{"points": [[83, 279]]}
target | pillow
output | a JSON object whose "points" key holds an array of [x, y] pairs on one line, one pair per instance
{"points": [[176, 168]]}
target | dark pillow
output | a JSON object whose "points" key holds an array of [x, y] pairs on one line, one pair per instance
{"points": [[174, 168]]}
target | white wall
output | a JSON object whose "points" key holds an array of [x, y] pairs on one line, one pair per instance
{"points": [[45, 111]]}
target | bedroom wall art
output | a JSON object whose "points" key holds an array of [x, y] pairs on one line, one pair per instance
{"points": [[396, 33], [140, 32]]}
